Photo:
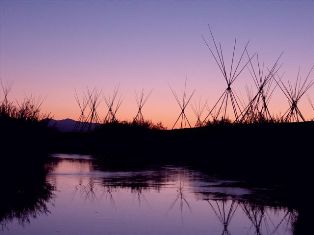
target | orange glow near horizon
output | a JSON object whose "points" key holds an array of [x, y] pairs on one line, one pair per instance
{"points": [[59, 100], [163, 108], [52, 49]]}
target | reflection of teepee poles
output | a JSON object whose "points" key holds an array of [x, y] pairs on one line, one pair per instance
{"points": [[257, 110], [289, 217], [236, 68], [180, 197], [259, 218], [141, 99], [294, 93], [262, 221], [224, 212], [182, 104], [255, 215], [108, 192], [113, 103], [140, 195], [87, 191]]}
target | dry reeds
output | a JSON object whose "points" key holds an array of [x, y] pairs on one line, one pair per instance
{"points": [[29, 110]]}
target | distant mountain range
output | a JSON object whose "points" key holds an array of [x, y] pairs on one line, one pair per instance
{"points": [[70, 125]]}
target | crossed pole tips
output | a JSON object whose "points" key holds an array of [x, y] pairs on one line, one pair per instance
{"points": [[141, 100], [198, 110], [183, 103], [82, 103], [93, 104], [294, 93], [88, 105], [220, 109], [257, 109], [113, 104]]}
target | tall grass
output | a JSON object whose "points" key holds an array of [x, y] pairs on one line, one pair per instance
{"points": [[29, 110], [23, 127]]}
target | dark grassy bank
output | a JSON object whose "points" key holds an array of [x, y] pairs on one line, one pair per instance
{"points": [[23, 127], [274, 155], [21, 136], [24, 189], [271, 154], [253, 148], [261, 152]]}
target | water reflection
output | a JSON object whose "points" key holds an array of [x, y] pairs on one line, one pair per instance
{"points": [[262, 218], [25, 192], [224, 210], [181, 199], [93, 198]]}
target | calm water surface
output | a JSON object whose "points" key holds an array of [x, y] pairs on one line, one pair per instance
{"points": [[90, 198]]}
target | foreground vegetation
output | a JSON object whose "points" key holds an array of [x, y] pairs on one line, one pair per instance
{"points": [[23, 126], [273, 152]]}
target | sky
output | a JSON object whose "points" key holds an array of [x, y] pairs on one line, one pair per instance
{"points": [[50, 49]]}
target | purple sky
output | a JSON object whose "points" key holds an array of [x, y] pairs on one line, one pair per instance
{"points": [[51, 48]]}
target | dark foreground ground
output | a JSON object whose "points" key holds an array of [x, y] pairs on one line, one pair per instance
{"points": [[277, 155], [266, 150], [272, 152]]}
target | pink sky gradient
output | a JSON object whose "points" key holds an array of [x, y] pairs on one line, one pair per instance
{"points": [[51, 48]]}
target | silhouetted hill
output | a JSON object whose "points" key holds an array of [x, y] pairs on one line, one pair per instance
{"points": [[70, 125]]}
